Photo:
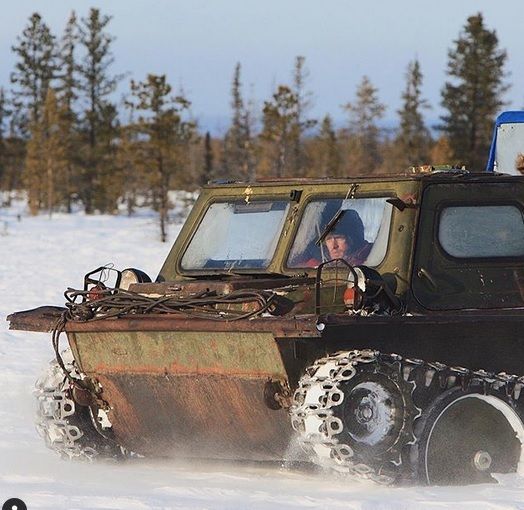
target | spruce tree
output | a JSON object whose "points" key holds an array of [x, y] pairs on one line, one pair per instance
{"points": [[67, 95], [5, 112], [364, 132], [329, 160], [99, 116], [45, 164], [304, 103], [109, 188], [207, 173], [33, 176], [67, 77], [413, 140], [441, 152], [474, 93], [15, 151], [251, 149], [164, 138], [129, 165], [55, 152], [34, 71], [238, 144]]}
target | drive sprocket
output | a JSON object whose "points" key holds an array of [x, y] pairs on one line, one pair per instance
{"points": [[355, 411]]}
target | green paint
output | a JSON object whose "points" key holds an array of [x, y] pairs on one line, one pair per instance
{"points": [[250, 354]]}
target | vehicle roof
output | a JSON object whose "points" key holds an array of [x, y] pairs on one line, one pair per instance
{"points": [[435, 176]]}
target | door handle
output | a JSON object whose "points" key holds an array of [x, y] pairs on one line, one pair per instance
{"points": [[426, 275]]}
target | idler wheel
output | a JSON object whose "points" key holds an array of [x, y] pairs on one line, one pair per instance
{"points": [[467, 437]]}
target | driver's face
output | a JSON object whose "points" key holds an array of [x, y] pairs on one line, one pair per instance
{"points": [[337, 246]]}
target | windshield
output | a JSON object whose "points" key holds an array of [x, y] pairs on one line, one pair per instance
{"points": [[236, 235], [356, 230]]}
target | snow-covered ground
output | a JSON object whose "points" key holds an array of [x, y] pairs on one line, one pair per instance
{"points": [[39, 258]]}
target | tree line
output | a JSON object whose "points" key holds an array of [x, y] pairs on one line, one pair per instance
{"points": [[66, 142]]}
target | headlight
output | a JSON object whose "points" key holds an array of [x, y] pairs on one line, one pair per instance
{"points": [[131, 276]]}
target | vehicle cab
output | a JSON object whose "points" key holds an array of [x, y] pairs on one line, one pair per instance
{"points": [[283, 229], [442, 240]]}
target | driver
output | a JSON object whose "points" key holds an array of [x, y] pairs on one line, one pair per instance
{"points": [[346, 241]]}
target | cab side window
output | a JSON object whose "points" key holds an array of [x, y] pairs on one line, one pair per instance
{"points": [[482, 231]]}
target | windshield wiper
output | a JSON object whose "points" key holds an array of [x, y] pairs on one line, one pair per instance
{"points": [[330, 226]]}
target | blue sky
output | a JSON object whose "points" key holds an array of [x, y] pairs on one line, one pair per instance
{"points": [[197, 43]]}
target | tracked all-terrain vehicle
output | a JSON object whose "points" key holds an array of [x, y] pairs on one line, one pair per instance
{"points": [[376, 322]]}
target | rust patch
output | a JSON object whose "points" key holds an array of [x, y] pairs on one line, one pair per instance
{"points": [[184, 288], [303, 326], [119, 401], [201, 416], [39, 319]]}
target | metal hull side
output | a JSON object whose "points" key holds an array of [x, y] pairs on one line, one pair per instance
{"points": [[492, 342], [188, 394]]}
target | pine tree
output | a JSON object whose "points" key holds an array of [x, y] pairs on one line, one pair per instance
{"points": [[165, 138], [280, 131], [35, 69], [364, 132], [99, 119], [474, 94], [413, 140]]}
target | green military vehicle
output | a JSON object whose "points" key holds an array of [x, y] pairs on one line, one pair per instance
{"points": [[368, 325]]}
